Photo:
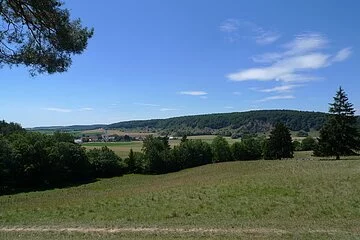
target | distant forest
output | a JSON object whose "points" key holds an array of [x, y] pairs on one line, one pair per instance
{"points": [[226, 124]]}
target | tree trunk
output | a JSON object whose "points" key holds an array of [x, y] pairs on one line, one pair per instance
{"points": [[337, 157]]}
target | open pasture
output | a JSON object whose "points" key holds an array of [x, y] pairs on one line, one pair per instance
{"points": [[254, 199]]}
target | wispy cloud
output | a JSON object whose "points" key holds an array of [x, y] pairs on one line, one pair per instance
{"points": [[147, 104], [68, 110], [62, 110], [342, 55], [237, 29], [167, 109], [277, 97], [193, 93], [301, 55], [229, 107], [86, 109], [230, 25], [278, 89], [237, 93]]}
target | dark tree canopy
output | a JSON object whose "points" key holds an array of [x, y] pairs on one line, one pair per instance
{"points": [[339, 135], [279, 145], [40, 34]]}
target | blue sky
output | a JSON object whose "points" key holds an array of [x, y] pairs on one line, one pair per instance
{"points": [[158, 59]]}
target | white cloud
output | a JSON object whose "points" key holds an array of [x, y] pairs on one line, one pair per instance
{"points": [[284, 70], [167, 109], [147, 104], [300, 56], [342, 55], [267, 38], [229, 107], [302, 44], [62, 110], [237, 93], [236, 29], [306, 43], [279, 89], [277, 97], [193, 93]]}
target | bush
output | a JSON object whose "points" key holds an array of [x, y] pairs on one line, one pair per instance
{"points": [[221, 150], [308, 144], [105, 163], [248, 149]]}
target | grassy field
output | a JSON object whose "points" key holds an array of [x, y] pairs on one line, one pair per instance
{"points": [[122, 149], [289, 199]]}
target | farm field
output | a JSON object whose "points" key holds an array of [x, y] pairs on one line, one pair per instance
{"points": [[301, 199], [122, 149]]}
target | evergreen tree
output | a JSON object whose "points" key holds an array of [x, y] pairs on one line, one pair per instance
{"points": [[279, 145], [339, 136], [40, 34], [131, 162]]}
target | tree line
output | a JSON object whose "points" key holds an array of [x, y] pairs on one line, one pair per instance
{"points": [[33, 160]]}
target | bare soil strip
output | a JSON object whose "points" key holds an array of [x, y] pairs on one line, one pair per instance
{"points": [[265, 231]]}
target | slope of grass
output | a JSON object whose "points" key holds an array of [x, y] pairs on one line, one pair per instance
{"points": [[301, 197]]}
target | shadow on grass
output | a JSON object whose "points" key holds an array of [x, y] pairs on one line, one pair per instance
{"points": [[12, 191]]}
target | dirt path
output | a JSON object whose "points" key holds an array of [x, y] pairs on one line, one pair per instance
{"points": [[262, 231]]}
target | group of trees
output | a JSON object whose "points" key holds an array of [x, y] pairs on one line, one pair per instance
{"points": [[35, 160], [158, 157]]}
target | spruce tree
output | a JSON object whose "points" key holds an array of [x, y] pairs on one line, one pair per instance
{"points": [[279, 145], [339, 135]]}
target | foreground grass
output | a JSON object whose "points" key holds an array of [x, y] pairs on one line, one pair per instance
{"points": [[307, 199]]}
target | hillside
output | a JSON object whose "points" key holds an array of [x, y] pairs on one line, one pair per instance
{"points": [[256, 199], [217, 123]]}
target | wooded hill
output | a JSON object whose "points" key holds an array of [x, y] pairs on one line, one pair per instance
{"points": [[219, 123]]}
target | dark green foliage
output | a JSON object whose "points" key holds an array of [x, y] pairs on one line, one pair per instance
{"points": [[131, 162], [9, 128], [340, 135], [31, 160], [157, 153], [297, 145], [279, 145], [34, 160], [192, 153], [248, 149], [221, 150], [67, 162], [308, 144], [136, 162], [63, 137], [40, 34], [105, 163]]}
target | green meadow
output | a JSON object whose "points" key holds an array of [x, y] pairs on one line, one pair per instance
{"points": [[303, 198], [122, 149]]}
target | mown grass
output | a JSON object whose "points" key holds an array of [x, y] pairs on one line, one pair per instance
{"points": [[293, 195]]}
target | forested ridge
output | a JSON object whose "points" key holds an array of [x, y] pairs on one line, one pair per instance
{"points": [[219, 123]]}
